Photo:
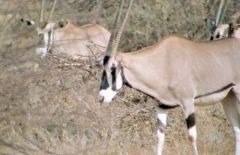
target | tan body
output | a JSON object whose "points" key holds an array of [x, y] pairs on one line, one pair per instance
{"points": [[181, 68], [81, 42]]}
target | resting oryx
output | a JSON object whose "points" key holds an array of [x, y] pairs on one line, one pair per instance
{"points": [[64, 37], [78, 42], [178, 73]]}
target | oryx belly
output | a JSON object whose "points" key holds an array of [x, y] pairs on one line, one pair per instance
{"points": [[212, 97]]}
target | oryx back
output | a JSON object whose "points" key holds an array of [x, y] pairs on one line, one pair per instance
{"points": [[81, 42], [186, 68]]}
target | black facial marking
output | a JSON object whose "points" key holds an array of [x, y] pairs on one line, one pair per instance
{"points": [[165, 107], [218, 35], [113, 74], [40, 40], [104, 82], [190, 121], [105, 60], [49, 37], [211, 38]]}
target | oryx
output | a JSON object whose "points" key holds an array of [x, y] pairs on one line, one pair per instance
{"points": [[178, 72], [227, 30], [219, 30], [77, 42]]}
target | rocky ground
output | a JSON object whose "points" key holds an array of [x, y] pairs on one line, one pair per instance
{"points": [[49, 107]]}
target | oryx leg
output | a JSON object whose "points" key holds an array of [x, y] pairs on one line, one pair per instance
{"points": [[236, 90], [231, 106], [189, 112], [161, 125], [42, 52]]}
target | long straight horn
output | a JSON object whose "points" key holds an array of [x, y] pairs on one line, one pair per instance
{"points": [[52, 10], [42, 11], [221, 12], [114, 29], [119, 34]]}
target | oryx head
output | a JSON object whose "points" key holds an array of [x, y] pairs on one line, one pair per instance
{"points": [[44, 30], [112, 79], [221, 32]]}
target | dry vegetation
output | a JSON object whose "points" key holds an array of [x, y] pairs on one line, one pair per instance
{"points": [[49, 107]]}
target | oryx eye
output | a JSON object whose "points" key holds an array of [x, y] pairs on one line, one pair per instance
{"points": [[218, 35]]}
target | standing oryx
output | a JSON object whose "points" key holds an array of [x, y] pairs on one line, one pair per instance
{"points": [[178, 73], [87, 41]]}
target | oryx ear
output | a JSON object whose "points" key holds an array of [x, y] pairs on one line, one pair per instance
{"points": [[62, 24]]}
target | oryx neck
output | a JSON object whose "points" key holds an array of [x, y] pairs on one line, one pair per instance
{"points": [[124, 79]]}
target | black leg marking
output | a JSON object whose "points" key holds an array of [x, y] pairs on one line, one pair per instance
{"points": [[190, 121], [165, 107]]}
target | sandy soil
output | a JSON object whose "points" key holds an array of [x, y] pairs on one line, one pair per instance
{"points": [[48, 107]]}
